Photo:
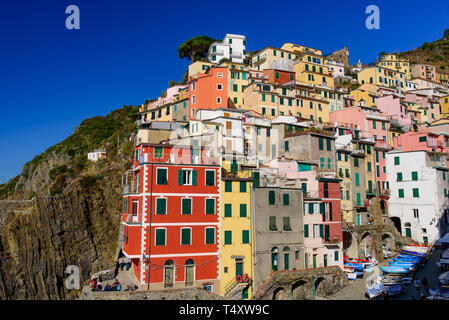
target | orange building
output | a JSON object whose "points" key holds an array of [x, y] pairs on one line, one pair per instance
{"points": [[208, 90], [279, 76]]}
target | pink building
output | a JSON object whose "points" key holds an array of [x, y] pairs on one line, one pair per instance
{"points": [[414, 141], [397, 111], [424, 71]]}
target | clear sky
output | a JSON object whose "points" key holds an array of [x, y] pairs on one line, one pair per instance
{"points": [[125, 52]]}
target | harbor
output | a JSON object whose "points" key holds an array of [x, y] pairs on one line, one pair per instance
{"points": [[409, 283]]}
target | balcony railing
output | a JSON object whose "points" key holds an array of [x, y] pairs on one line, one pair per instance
{"points": [[332, 239], [133, 219], [130, 188]]}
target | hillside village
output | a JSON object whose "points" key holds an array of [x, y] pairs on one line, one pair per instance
{"points": [[285, 159]]}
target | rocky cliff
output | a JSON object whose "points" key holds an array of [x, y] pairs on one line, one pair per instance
{"points": [[64, 210]]}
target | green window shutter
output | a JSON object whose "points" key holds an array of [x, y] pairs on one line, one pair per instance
{"points": [[263, 97], [185, 236], [399, 176], [210, 206], [423, 139], [321, 162], [396, 161], [228, 186], [186, 206], [286, 223], [328, 145], [374, 124], [326, 232], [401, 193], [271, 197], [415, 193], [245, 236], [273, 98], [158, 152], [210, 236], [320, 143], [378, 171], [256, 179], [330, 211], [328, 163], [336, 255], [357, 179], [161, 176], [228, 210], [272, 223], [286, 198], [194, 175], [286, 146], [243, 210], [359, 200], [321, 230], [356, 162], [228, 237], [242, 186], [235, 88], [161, 206], [311, 208], [414, 175], [339, 156], [160, 237], [377, 156], [180, 177], [304, 188], [322, 208], [306, 231], [210, 178]]}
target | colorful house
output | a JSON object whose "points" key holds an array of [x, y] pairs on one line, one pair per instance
{"points": [[171, 217]]}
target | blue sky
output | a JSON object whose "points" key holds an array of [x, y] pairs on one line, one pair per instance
{"points": [[125, 52]]}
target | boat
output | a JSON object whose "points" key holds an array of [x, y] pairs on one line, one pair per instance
{"points": [[395, 270], [414, 253], [400, 264], [355, 266], [396, 260], [359, 274], [375, 291], [351, 276], [440, 292], [416, 245], [408, 256], [394, 290], [391, 280], [415, 249]]}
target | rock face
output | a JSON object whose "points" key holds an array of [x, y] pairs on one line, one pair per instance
{"points": [[78, 227]]}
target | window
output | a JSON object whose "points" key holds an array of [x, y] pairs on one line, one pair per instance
{"points": [[306, 231], [243, 210], [328, 143], [399, 176], [271, 197], [414, 175], [210, 206], [160, 238], [272, 223], [210, 178], [228, 210], [245, 236], [158, 152], [161, 206], [356, 162], [415, 193], [228, 237], [186, 204], [415, 214], [320, 143], [329, 163], [286, 223], [228, 186], [286, 198], [357, 179], [186, 236], [210, 235], [286, 144], [396, 161], [336, 255], [218, 100], [401, 193], [161, 178], [187, 177], [311, 208]]}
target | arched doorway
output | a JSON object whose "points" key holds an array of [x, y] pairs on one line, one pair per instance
{"points": [[321, 287], [397, 223], [190, 272], [300, 290], [274, 259], [279, 294], [169, 273], [366, 245], [387, 241]]}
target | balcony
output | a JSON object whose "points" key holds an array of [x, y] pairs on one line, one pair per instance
{"points": [[130, 189], [133, 219], [331, 239]]}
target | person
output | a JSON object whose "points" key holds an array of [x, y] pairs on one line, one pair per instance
{"points": [[99, 285], [128, 263], [93, 284], [114, 285], [107, 288], [121, 262]]}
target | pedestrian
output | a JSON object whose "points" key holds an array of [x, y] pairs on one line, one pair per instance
{"points": [[121, 263], [128, 263], [99, 285]]}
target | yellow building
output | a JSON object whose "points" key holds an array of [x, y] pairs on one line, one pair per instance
{"points": [[199, 67], [370, 177], [298, 49], [444, 102], [237, 81], [381, 76], [344, 170], [236, 231], [311, 69], [443, 78], [272, 100], [368, 96], [264, 58], [394, 62]]}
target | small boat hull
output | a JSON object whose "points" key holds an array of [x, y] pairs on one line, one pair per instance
{"points": [[394, 270]]}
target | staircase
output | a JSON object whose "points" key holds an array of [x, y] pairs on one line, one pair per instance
{"points": [[235, 288]]}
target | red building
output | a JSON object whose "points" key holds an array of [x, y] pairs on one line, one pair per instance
{"points": [[171, 217], [279, 76], [329, 192]]}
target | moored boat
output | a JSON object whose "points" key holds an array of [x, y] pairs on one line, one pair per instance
{"points": [[375, 291], [395, 270], [394, 290], [415, 249]]}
